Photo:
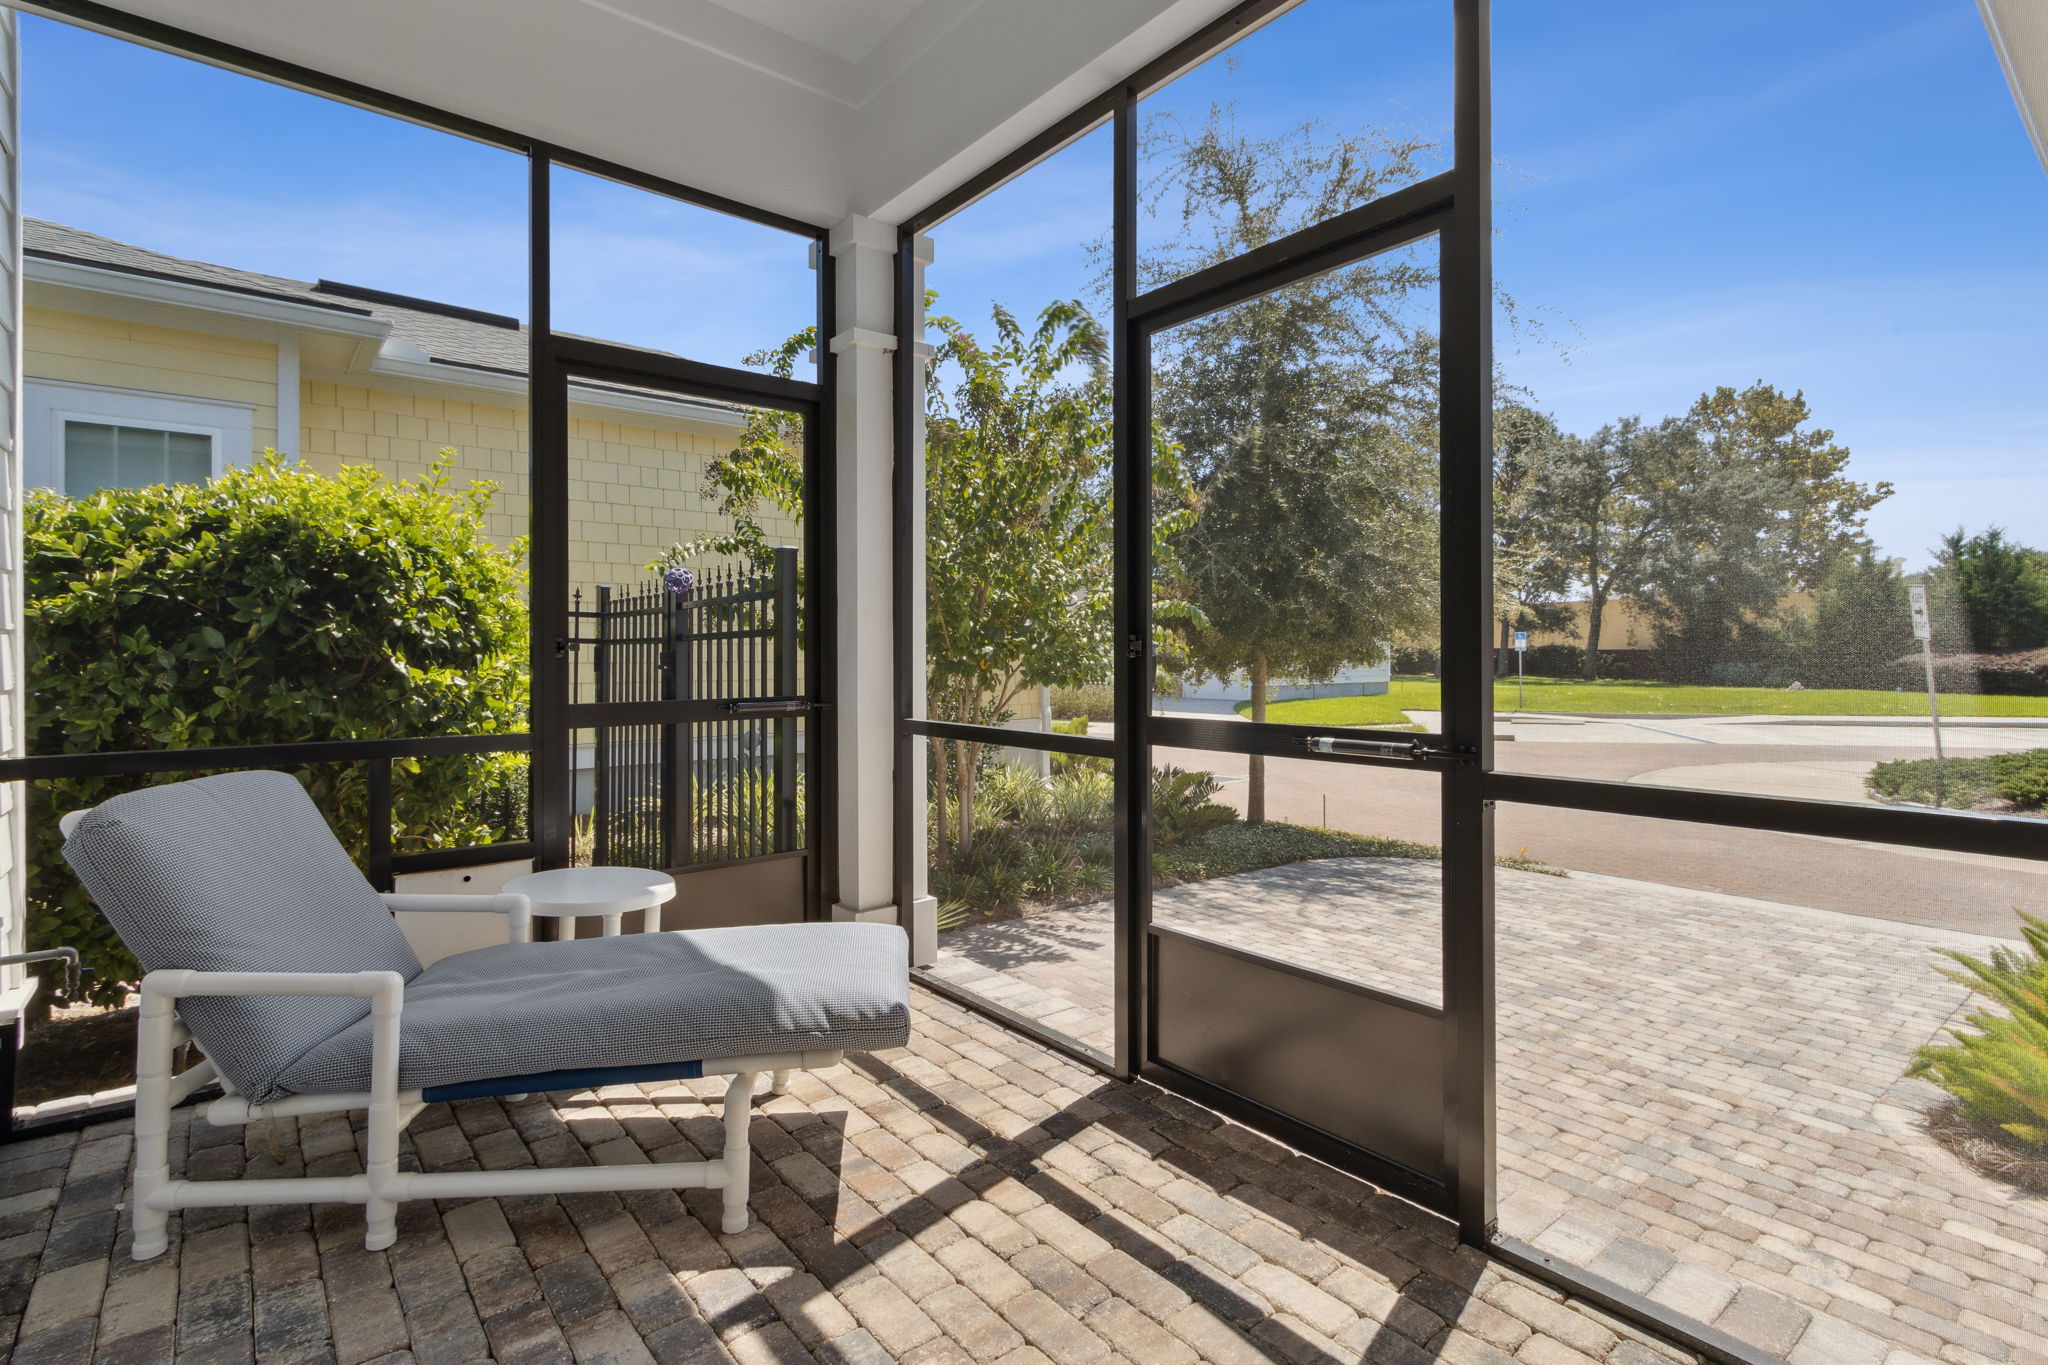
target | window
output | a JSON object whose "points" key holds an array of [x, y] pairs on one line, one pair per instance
{"points": [[99, 455], [85, 437]]}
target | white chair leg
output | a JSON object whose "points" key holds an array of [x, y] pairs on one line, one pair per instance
{"points": [[739, 1112], [780, 1084], [380, 1213], [155, 1043]]}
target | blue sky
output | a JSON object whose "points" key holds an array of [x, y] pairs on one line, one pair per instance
{"points": [[188, 159], [1830, 195]]}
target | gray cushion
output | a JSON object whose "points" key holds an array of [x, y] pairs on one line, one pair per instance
{"points": [[636, 1000], [239, 873]]}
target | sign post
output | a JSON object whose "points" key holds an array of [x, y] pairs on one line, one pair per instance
{"points": [[1521, 652], [1923, 631]]}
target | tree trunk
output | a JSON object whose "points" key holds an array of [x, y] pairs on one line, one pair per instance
{"points": [[1596, 608], [941, 821], [970, 759], [1504, 649], [1255, 785]]}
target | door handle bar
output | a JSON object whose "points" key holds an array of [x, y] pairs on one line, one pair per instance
{"points": [[1414, 749], [773, 707]]}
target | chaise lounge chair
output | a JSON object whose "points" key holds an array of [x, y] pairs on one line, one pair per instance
{"points": [[268, 948]]}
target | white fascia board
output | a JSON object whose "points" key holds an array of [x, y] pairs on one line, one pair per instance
{"points": [[681, 412], [435, 379], [377, 353], [198, 298], [2019, 35]]}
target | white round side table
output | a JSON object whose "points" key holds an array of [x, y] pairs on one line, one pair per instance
{"points": [[613, 892]]}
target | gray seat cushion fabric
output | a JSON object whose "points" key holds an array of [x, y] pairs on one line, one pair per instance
{"points": [[239, 873], [696, 995]]}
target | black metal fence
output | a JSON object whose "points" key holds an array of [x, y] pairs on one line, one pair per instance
{"points": [[706, 791]]}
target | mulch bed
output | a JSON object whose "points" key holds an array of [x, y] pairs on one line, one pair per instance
{"points": [[78, 1051], [1988, 1149]]}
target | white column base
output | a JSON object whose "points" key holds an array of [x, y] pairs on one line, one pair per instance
{"points": [[924, 931], [877, 914]]}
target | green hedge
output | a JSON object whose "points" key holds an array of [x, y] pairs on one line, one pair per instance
{"points": [[1964, 783], [271, 605]]}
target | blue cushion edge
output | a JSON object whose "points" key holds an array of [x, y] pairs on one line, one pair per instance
{"points": [[541, 1082]]}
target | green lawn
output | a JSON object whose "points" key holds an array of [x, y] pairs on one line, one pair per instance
{"points": [[1568, 696]]}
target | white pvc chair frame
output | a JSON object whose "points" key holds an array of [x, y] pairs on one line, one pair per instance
{"points": [[382, 1185]]}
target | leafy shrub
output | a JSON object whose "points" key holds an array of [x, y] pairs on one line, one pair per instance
{"points": [[1086, 703], [739, 814], [272, 605], [2000, 1072], [1560, 660], [1551, 661], [2020, 674], [2022, 778], [1416, 662], [1965, 783], [1183, 808], [1067, 764], [1037, 840]]}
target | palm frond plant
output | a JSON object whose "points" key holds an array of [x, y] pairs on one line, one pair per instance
{"points": [[1997, 1067]]}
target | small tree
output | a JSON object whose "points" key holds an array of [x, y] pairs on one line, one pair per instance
{"points": [[1018, 516], [1306, 417], [1767, 510], [1610, 512], [1017, 551], [1529, 576], [1861, 624], [1999, 587], [272, 605], [766, 468]]}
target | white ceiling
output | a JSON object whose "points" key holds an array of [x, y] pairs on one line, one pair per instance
{"points": [[847, 29], [810, 108]]}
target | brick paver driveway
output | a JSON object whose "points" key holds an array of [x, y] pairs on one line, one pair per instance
{"points": [[1701, 1096]]}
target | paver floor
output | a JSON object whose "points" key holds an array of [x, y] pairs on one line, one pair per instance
{"points": [[1968, 893], [1701, 1097], [973, 1197]]}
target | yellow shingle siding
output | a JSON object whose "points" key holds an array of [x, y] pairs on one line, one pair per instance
{"points": [[85, 349], [633, 490]]}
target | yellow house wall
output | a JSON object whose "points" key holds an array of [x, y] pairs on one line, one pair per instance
{"points": [[634, 489], [1623, 625], [87, 349]]}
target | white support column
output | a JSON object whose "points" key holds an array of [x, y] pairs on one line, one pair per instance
{"points": [[924, 909], [864, 256]]}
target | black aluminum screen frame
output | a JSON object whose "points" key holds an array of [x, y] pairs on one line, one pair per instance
{"points": [[1459, 206], [548, 355]]}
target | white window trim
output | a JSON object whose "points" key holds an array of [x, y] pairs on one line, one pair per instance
{"points": [[47, 404]]}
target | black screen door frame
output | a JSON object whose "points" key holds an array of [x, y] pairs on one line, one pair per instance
{"points": [[578, 361], [1442, 1090], [1456, 208]]}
